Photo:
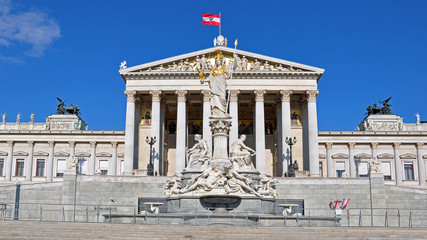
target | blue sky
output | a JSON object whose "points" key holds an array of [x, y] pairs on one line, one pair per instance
{"points": [[371, 50]]}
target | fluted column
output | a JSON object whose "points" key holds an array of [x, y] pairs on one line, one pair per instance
{"points": [[351, 162], [286, 127], [72, 151], [234, 113], [8, 174], [49, 163], [29, 163], [155, 127], [129, 133], [329, 162], [398, 164], [207, 134], [92, 159], [313, 134], [113, 164], [259, 130], [181, 130], [421, 166]]}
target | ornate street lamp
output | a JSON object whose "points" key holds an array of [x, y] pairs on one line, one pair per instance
{"points": [[150, 168], [290, 142]]}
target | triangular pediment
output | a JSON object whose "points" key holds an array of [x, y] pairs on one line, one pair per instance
{"points": [[121, 154], [20, 153], [41, 153], [322, 156], [62, 154], [248, 62], [3, 153], [408, 156], [363, 156], [103, 154], [340, 156], [385, 156], [82, 154]]}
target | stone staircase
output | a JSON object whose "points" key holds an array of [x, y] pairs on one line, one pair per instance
{"points": [[71, 230]]}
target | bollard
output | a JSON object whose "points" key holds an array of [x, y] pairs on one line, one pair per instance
{"points": [[386, 219], [134, 215], [87, 214], [63, 214], [360, 218], [410, 218], [41, 212]]}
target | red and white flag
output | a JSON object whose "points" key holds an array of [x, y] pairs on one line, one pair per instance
{"points": [[211, 19]]}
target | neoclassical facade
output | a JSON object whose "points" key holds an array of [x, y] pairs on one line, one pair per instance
{"points": [[269, 100]]}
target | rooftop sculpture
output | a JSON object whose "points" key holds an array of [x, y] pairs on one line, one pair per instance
{"points": [[374, 109], [62, 109]]}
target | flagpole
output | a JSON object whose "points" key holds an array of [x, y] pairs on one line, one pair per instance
{"points": [[219, 23], [231, 77]]}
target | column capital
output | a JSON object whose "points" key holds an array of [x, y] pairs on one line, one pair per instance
{"points": [[259, 95], [10, 143], [206, 95], [420, 145], [182, 95], [374, 145], [285, 95], [156, 95], [93, 144], [328, 145], [130, 95], [114, 144], [351, 144], [51, 143], [396, 145], [72, 143], [234, 95], [30, 143], [312, 95]]}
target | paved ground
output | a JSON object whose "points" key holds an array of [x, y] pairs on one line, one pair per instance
{"points": [[63, 230]]}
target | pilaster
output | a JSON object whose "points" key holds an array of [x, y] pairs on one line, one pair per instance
{"points": [[29, 163], [397, 164], [421, 164]]}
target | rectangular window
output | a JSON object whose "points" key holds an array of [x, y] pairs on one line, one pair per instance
{"points": [[1, 167], [409, 171], [103, 166], [40, 167], [82, 166], [363, 169], [385, 168], [61, 166], [19, 167], [321, 169], [339, 168]]}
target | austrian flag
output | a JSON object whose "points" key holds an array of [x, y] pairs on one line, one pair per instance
{"points": [[211, 19]]}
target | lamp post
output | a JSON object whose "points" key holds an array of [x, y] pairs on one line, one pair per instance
{"points": [[150, 168], [290, 142]]}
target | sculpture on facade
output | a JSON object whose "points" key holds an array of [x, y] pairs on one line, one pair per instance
{"points": [[267, 186], [123, 65], [374, 109], [240, 154], [199, 155], [237, 183], [18, 118], [61, 109], [205, 181], [173, 186], [4, 117], [374, 166], [32, 117], [73, 165], [416, 115]]}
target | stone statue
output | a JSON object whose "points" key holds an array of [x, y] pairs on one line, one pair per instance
{"points": [[416, 115], [73, 165], [256, 66], [123, 65], [18, 118], [160, 68], [280, 67], [173, 67], [266, 187], [218, 85], [244, 64], [205, 181], [197, 63], [32, 117], [173, 186], [198, 160], [386, 106], [268, 67], [4, 117], [186, 67], [205, 63], [374, 166], [379, 110], [240, 154], [61, 109], [237, 63], [237, 183]]}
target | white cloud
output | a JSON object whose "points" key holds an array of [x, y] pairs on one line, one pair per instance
{"points": [[27, 27]]}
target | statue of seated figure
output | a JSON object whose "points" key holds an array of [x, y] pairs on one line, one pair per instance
{"points": [[240, 155], [205, 181], [199, 155]]}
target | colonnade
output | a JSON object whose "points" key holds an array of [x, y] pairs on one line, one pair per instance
{"points": [[309, 125]]}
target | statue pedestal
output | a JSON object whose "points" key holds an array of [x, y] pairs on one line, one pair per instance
{"points": [[220, 126], [65, 122], [381, 122]]}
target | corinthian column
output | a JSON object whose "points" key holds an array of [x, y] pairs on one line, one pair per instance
{"points": [[207, 134], [234, 113], [313, 133], [29, 163], [397, 164], [129, 133], [259, 130], [155, 127], [181, 130], [421, 166], [286, 128]]}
